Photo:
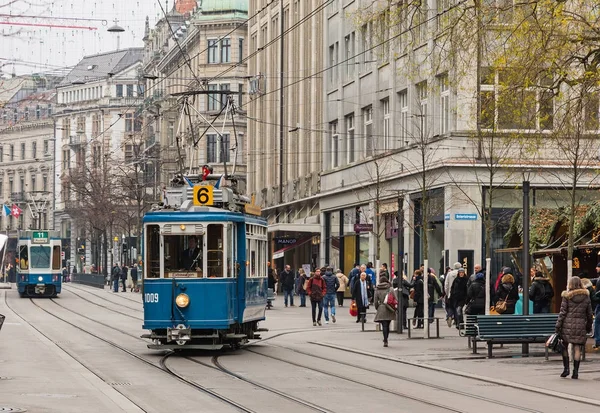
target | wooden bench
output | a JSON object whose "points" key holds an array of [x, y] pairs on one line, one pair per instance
{"points": [[513, 329]]}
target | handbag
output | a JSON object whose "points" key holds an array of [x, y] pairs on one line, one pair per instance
{"points": [[493, 311], [353, 309], [500, 306], [555, 343], [390, 300]]}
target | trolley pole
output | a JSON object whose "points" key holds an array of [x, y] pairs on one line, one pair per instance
{"points": [[400, 260]]}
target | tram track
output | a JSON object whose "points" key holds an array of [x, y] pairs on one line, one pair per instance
{"points": [[105, 297], [106, 307], [70, 354], [159, 367], [407, 379]]}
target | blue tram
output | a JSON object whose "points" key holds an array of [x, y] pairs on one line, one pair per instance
{"points": [[205, 268], [38, 264]]}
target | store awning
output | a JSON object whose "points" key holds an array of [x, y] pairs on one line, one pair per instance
{"points": [[279, 253], [312, 228]]}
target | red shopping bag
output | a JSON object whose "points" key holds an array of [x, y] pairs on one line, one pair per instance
{"points": [[353, 309]]}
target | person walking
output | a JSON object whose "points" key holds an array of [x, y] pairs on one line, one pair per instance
{"points": [[458, 296], [287, 279], [332, 283], [360, 295], [508, 293], [435, 290], [354, 275], [134, 278], [574, 322], [419, 299], [448, 281], [124, 274], [116, 276], [343, 280], [316, 290], [476, 295], [302, 280], [385, 313], [541, 293], [406, 287]]}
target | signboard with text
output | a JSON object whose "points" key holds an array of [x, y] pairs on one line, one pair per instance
{"points": [[363, 227], [40, 237]]}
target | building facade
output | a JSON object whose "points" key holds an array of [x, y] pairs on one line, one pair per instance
{"points": [[26, 153], [195, 67], [98, 129], [285, 134]]}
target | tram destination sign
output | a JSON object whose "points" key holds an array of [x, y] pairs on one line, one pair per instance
{"points": [[39, 237]]}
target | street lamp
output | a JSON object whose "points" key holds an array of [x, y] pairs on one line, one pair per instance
{"points": [[115, 28]]}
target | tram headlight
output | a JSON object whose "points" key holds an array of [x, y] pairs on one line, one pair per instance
{"points": [[182, 300], [40, 278]]}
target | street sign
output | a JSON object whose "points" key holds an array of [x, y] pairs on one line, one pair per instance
{"points": [[465, 217], [40, 237], [363, 227]]}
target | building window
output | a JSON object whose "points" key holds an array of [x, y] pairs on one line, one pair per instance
{"points": [[422, 114], [66, 160], [171, 133], [95, 126], [22, 186], [128, 153], [46, 147], [333, 64], [49, 110], [81, 124], [240, 50], [33, 149], [349, 120], [349, 55], [444, 104], [369, 146], [45, 183], [211, 148], [367, 49], [22, 151], [66, 128], [240, 95], [225, 147], [141, 90], [225, 50], [213, 99], [333, 133], [129, 91], [129, 122], [33, 183], [213, 51], [38, 112], [387, 144], [12, 152], [119, 91], [224, 96]]}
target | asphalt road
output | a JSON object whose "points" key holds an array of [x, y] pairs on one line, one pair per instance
{"points": [[82, 353]]}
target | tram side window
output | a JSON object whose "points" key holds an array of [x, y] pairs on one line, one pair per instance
{"points": [[40, 257], [56, 258], [23, 257], [215, 246], [232, 264], [152, 261]]}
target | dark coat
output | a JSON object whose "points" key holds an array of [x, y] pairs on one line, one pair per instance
{"points": [[134, 273], [316, 288], [541, 293], [508, 291], [123, 272], [458, 295], [433, 286], [418, 286], [476, 297], [575, 317], [287, 280], [357, 292], [383, 311], [332, 282], [188, 259]]}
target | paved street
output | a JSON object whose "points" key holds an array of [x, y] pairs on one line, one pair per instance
{"points": [[81, 353]]}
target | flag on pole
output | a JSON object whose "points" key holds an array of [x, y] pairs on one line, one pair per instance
{"points": [[5, 210], [16, 211], [218, 184]]}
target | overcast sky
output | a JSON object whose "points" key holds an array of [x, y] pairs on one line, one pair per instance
{"points": [[46, 48]]}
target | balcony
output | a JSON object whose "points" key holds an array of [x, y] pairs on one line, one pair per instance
{"points": [[17, 196], [76, 140]]}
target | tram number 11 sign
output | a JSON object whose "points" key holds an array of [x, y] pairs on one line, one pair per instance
{"points": [[203, 195], [40, 237]]}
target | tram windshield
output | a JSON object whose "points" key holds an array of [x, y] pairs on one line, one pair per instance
{"points": [[39, 256]]}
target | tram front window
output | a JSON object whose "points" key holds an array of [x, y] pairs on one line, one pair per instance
{"points": [[39, 257], [184, 255]]}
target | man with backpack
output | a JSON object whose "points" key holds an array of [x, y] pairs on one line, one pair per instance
{"points": [[541, 293], [316, 289]]}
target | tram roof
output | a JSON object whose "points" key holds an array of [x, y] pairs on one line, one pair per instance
{"points": [[206, 215]]}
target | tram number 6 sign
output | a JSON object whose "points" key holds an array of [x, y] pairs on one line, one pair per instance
{"points": [[203, 195]]}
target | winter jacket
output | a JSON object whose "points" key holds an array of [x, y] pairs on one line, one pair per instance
{"points": [[343, 280], [353, 277], [383, 311], [448, 281], [476, 297], [124, 272], [356, 291], [434, 288], [418, 286], [316, 288], [287, 280], [116, 272], [458, 295], [300, 285], [595, 299], [331, 282], [508, 291], [575, 317], [541, 291]]}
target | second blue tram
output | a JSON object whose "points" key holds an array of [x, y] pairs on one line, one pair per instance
{"points": [[205, 269], [38, 264]]}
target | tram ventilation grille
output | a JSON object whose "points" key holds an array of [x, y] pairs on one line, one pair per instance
{"points": [[119, 383], [11, 409]]}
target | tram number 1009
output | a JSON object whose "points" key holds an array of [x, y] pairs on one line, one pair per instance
{"points": [[151, 297]]}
